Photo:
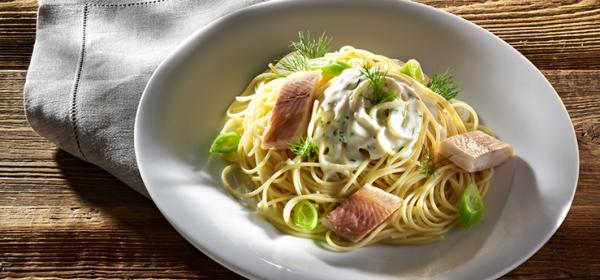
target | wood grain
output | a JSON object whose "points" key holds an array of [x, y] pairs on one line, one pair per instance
{"points": [[561, 34], [17, 33], [63, 218]]}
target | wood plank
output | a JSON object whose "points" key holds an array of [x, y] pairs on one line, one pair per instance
{"points": [[126, 254], [17, 33], [559, 34], [552, 34], [580, 92]]}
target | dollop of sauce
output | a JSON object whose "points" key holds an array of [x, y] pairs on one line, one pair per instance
{"points": [[350, 129]]}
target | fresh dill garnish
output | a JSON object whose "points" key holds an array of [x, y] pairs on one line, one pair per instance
{"points": [[294, 62], [427, 166], [303, 50], [445, 85], [311, 48], [377, 85], [304, 148]]}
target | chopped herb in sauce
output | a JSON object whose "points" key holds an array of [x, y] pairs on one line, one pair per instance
{"points": [[340, 135]]}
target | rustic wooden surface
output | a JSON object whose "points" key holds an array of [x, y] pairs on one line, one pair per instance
{"points": [[63, 218]]}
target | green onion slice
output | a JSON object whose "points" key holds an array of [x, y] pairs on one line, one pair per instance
{"points": [[305, 215], [225, 143], [470, 207], [413, 69], [328, 66]]}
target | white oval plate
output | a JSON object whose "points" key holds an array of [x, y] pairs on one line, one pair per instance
{"points": [[183, 107]]}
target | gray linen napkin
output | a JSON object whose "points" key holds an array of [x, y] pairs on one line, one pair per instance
{"points": [[90, 64]]}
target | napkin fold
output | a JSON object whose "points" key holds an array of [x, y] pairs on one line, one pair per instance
{"points": [[90, 64]]}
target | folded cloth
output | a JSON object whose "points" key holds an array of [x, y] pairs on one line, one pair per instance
{"points": [[90, 64]]}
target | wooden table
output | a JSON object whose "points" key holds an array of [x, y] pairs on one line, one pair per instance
{"points": [[61, 217]]}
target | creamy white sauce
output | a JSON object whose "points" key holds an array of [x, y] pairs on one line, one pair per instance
{"points": [[351, 130]]}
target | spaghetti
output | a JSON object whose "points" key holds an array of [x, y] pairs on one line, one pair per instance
{"points": [[409, 166]]}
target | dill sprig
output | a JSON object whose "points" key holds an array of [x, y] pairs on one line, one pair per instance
{"points": [[304, 148], [294, 62], [311, 48], [377, 85], [302, 50], [445, 85], [427, 166]]}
